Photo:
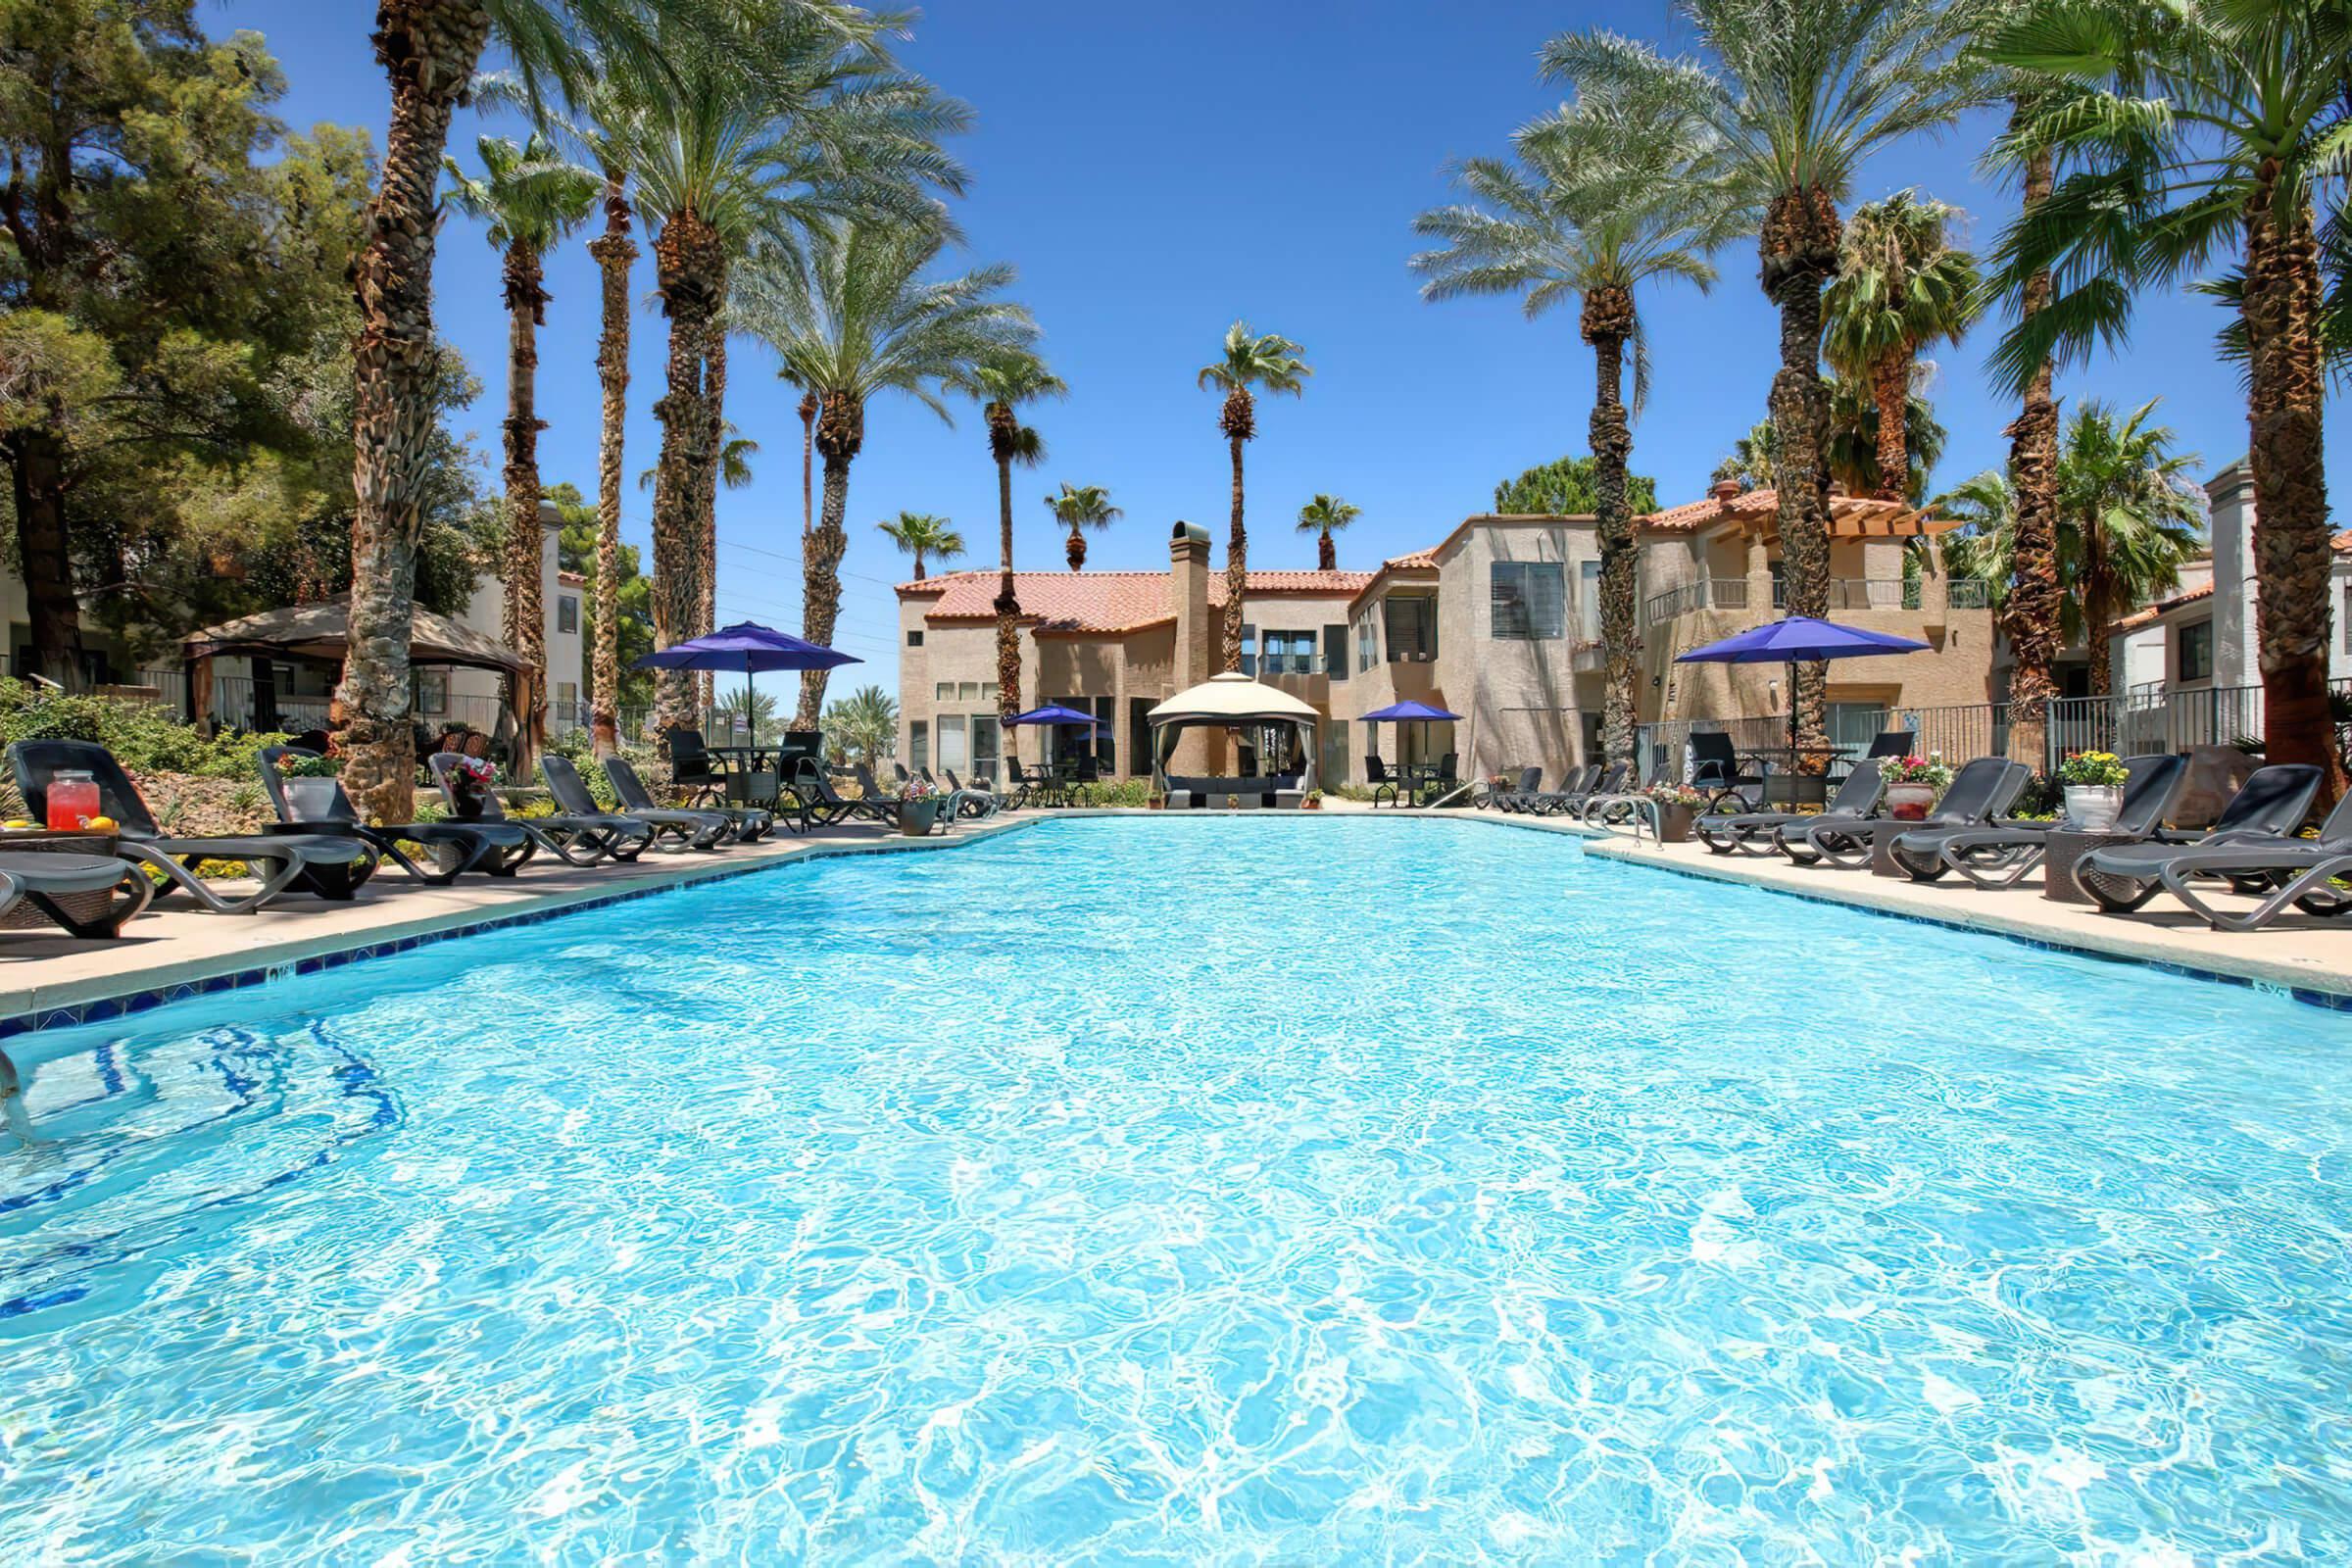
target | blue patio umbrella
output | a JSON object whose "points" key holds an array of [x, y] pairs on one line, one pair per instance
{"points": [[749, 649], [1799, 639], [1055, 717], [1409, 713]]}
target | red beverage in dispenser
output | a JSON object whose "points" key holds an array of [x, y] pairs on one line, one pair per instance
{"points": [[73, 802]]}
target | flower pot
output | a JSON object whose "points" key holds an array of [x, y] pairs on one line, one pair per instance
{"points": [[310, 800], [468, 803], [1673, 823], [2094, 807], [1910, 803], [917, 817]]}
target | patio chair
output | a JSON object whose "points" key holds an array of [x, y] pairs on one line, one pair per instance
{"points": [[2000, 856], [44, 881], [575, 840], [978, 800], [1376, 774], [329, 866], [1572, 802], [1522, 796], [747, 823], [2286, 873], [1980, 791], [692, 767], [1614, 804], [827, 806], [1715, 765], [674, 829], [1751, 832], [499, 848], [2262, 815]]}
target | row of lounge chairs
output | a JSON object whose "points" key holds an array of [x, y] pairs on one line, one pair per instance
{"points": [[2254, 845], [1587, 791], [337, 852]]}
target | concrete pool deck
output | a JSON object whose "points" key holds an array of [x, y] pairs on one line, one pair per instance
{"points": [[48, 980]]}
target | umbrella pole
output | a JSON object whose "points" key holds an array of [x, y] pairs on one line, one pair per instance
{"points": [[1793, 715]]}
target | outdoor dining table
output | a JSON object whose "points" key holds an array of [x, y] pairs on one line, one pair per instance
{"points": [[1785, 784]]}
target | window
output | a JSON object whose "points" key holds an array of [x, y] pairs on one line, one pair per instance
{"points": [[967, 691], [918, 742], [1588, 600], [1367, 643], [984, 745], [2344, 617], [951, 741], [1248, 649], [944, 691], [914, 636], [1335, 652], [568, 701], [1528, 599], [1289, 653], [567, 613], [2197, 650], [1412, 629], [432, 692], [988, 691]]}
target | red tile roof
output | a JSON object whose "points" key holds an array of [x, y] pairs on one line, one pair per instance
{"points": [[1418, 561], [2141, 617], [2343, 542], [1102, 601], [1851, 513]]}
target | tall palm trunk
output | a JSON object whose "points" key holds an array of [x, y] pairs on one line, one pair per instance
{"points": [[526, 544], [840, 434], [2292, 559], [1003, 438], [429, 49], [614, 253], [1799, 247], [688, 258], [1890, 391], [1239, 420], [1327, 552], [1609, 321], [1075, 551], [2098, 602], [715, 393], [2029, 610], [808, 455]]}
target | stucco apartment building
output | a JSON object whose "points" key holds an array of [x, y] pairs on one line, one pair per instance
{"points": [[1499, 622]]}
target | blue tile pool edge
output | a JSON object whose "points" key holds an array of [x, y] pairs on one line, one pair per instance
{"points": [[100, 1010]]}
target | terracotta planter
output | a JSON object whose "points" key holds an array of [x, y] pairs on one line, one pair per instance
{"points": [[2094, 807], [1910, 803], [916, 818], [1673, 823]]}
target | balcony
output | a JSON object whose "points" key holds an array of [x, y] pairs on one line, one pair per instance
{"points": [[1845, 594], [1708, 593]]}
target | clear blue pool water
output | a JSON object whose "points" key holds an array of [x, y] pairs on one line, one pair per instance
{"points": [[1189, 1191]]}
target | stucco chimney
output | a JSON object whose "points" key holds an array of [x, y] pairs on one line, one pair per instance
{"points": [[2229, 497], [1725, 492], [1198, 639]]}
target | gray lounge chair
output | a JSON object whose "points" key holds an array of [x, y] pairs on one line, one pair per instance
{"points": [[331, 866], [43, 880], [694, 830], [1572, 802], [2265, 812], [2299, 873], [749, 823], [577, 840], [2001, 855], [979, 800], [1531, 788], [499, 848], [887, 806], [1980, 791], [1751, 832]]}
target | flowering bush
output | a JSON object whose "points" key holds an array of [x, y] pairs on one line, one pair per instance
{"points": [[2091, 768], [1929, 771], [1678, 795], [474, 772], [309, 767], [917, 789]]}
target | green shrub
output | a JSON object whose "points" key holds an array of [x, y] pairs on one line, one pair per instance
{"points": [[144, 738]]}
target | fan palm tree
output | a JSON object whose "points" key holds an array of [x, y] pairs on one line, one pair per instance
{"points": [[1901, 284], [1797, 93], [1750, 462], [1856, 449], [920, 534], [1322, 516], [1606, 197], [529, 199], [429, 50], [614, 253], [1003, 382], [2128, 518], [852, 317], [1251, 359], [1078, 507], [2189, 130]]}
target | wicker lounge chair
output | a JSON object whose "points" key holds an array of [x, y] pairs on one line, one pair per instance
{"points": [[45, 880], [499, 848], [1982, 791], [2001, 855], [1752, 832], [577, 840], [2264, 814]]}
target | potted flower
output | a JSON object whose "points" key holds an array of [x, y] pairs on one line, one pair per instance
{"points": [[311, 788], [1313, 800], [1913, 784], [2094, 789], [1679, 805], [470, 781], [918, 808]]}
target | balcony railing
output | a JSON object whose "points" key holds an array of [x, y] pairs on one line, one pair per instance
{"points": [[1708, 593], [1859, 593], [1969, 593]]}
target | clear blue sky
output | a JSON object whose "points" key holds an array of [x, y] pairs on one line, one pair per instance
{"points": [[1156, 172]]}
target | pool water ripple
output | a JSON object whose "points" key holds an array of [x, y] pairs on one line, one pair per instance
{"points": [[1225, 1190]]}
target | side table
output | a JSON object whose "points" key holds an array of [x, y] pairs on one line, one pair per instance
{"points": [[2068, 846]]}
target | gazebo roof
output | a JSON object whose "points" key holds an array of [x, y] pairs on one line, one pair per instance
{"points": [[1230, 698], [323, 631]]}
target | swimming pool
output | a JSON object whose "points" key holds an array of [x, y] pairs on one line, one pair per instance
{"points": [[1176, 1190]]}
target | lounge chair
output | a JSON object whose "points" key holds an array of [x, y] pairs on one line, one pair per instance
{"points": [[2299, 873], [577, 840], [828, 806], [889, 805], [1531, 785], [2263, 814], [1614, 804], [1982, 791], [1573, 802], [331, 866], [1999, 856], [978, 800], [1752, 832], [677, 829], [43, 880], [499, 848], [749, 823]]}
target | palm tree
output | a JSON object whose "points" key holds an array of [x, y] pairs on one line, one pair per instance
{"points": [[1320, 518], [615, 253], [865, 726], [1856, 449], [1797, 95], [1003, 382], [852, 318], [2191, 127], [1078, 507], [530, 199], [1269, 361], [1605, 198], [920, 534], [1901, 284], [1750, 462], [2129, 519], [429, 50]]}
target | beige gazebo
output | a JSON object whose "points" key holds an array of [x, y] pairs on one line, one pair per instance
{"points": [[322, 632], [1231, 701]]}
